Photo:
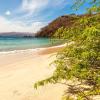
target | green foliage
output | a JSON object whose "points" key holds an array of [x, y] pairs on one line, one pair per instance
{"points": [[94, 5], [79, 61]]}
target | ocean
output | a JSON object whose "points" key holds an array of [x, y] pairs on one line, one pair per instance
{"points": [[22, 43]]}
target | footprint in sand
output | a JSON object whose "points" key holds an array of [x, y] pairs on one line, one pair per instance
{"points": [[16, 92]]}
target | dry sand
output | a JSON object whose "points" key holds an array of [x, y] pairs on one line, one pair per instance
{"points": [[20, 70]]}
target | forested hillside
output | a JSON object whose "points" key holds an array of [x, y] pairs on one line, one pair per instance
{"points": [[65, 21]]}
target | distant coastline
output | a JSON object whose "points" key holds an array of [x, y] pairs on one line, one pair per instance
{"points": [[17, 34]]}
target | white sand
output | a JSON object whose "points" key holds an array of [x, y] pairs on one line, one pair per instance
{"points": [[19, 71]]}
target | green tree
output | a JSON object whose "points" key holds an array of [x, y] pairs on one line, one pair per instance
{"points": [[79, 61]]}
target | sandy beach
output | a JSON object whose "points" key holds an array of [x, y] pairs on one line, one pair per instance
{"points": [[20, 70]]}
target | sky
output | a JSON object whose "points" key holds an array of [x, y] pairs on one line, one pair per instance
{"points": [[31, 15]]}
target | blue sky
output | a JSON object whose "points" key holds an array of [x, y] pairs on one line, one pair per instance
{"points": [[31, 15]]}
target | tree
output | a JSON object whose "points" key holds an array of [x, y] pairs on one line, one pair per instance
{"points": [[94, 5], [79, 61]]}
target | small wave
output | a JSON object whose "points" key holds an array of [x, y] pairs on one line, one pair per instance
{"points": [[31, 50], [21, 51]]}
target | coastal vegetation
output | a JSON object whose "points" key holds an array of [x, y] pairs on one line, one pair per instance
{"points": [[78, 64], [49, 30]]}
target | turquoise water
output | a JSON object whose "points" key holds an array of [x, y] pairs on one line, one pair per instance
{"points": [[16, 43]]}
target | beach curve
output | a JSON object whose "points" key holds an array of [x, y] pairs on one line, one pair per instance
{"points": [[20, 70]]}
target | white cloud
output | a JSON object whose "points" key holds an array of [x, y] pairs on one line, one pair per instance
{"points": [[29, 11], [17, 26], [7, 13], [33, 6]]}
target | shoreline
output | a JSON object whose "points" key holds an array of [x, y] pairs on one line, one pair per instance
{"points": [[33, 50], [20, 70]]}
